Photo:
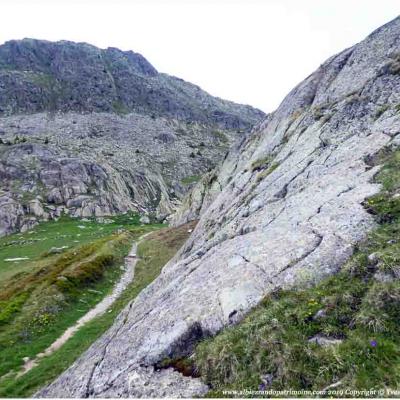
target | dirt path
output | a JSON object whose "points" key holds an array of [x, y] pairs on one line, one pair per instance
{"points": [[98, 309]]}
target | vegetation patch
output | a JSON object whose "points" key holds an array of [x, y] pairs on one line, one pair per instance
{"points": [[44, 80], [190, 179], [266, 172], [9, 308], [357, 311], [318, 112], [185, 366], [274, 340], [120, 108], [393, 66], [261, 163], [381, 110], [220, 136]]}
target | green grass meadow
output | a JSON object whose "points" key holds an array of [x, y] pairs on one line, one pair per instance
{"points": [[88, 273]]}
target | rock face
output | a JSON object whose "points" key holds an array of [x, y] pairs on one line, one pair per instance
{"points": [[92, 132], [283, 210]]}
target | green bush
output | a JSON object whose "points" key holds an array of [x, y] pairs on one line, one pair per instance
{"points": [[9, 308]]}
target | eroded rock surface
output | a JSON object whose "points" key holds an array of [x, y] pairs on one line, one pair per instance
{"points": [[283, 210]]}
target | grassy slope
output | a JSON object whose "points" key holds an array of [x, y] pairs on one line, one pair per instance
{"points": [[41, 297], [360, 309], [155, 251], [64, 232]]}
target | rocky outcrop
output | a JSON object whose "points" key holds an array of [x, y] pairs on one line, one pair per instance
{"points": [[284, 210], [99, 164], [38, 75], [91, 132]]}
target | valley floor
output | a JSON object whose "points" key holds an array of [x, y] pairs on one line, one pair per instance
{"points": [[63, 269]]}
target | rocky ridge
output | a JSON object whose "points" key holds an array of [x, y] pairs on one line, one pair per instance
{"points": [[91, 132], [38, 75], [284, 210]]}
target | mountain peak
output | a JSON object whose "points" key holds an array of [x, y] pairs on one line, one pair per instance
{"points": [[39, 75]]}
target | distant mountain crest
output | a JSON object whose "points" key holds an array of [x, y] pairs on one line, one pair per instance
{"points": [[38, 75]]}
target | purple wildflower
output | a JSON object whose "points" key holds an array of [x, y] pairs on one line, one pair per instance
{"points": [[262, 386], [373, 343]]}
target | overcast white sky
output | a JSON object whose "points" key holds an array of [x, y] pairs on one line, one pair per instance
{"points": [[248, 51]]}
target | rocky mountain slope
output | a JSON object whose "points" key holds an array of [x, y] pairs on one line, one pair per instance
{"points": [[38, 75], [284, 210], [93, 132]]}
